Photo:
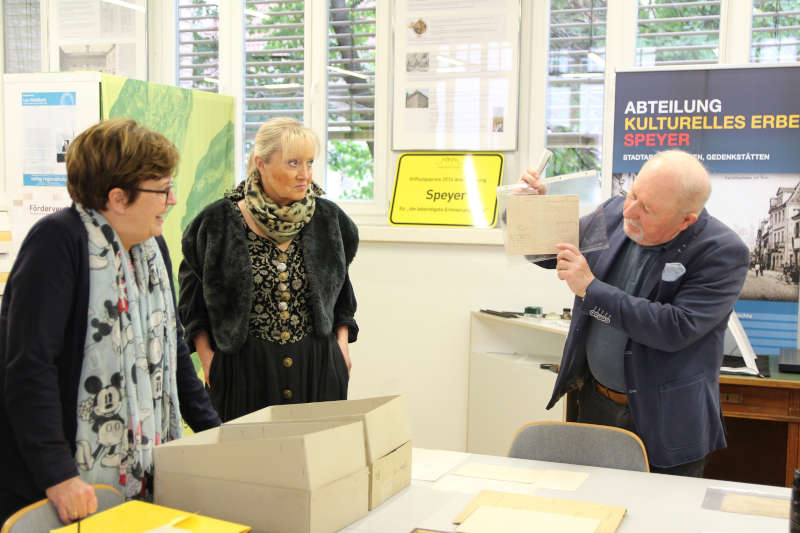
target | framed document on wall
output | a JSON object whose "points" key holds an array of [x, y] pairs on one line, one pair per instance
{"points": [[456, 75]]}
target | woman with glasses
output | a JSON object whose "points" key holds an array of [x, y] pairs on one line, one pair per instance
{"points": [[265, 294], [93, 367]]}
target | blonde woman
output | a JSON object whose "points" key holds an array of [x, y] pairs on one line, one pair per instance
{"points": [[265, 294]]}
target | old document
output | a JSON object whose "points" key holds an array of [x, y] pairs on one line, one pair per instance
{"points": [[536, 223], [488, 519]]}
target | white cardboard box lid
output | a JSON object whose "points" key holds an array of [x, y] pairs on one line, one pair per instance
{"points": [[386, 424], [301, 455]]}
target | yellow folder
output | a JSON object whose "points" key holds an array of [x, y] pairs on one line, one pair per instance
{"points": [[141, 517]]}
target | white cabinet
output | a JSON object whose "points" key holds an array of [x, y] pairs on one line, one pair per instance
{"points": [[507, 388]]}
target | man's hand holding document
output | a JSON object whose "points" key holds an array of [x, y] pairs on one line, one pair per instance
{"points": [[537, 223], [542, 227]]}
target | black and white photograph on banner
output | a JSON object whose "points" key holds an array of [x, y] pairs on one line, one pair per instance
{"points": [[765, 211]]}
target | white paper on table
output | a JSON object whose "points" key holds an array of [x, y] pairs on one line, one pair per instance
{"points": [[430, 465], [473, 485], [501, 473], [488, 519], [561, 480]]}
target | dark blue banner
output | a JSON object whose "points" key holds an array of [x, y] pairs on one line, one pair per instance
{"points": [[734, 120]]}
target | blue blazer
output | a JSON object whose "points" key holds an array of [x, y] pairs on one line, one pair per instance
{"points": [[676, 332]]}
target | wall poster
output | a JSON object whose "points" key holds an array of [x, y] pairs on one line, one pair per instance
{"points": [[98, 35], [456, 75], [744, 125]]}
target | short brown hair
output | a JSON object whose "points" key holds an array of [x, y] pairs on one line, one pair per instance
{"points": [[116, 153]]}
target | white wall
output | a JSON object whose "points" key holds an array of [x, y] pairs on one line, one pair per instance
{"points": [[414, 301]]}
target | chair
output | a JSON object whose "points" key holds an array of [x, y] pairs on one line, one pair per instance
{"points": [[580, 444], [41, 516]]}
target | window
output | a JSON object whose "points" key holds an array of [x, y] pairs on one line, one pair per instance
{"points": [[198, 45], [278, 69], [274, 55], [671, 32], [776, 31], [351, 99], [576, 66], [22, 34]]}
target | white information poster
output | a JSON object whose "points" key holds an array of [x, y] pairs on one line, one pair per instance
{"points": [[48, 128], [100, 35], [43, 113], [456, 82]]}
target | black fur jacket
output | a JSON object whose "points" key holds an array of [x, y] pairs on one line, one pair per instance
{"points": [[216, 280]]}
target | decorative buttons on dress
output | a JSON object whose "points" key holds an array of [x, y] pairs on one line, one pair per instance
{"points": [[283, 258], [283, 276], [285, 296], [284, 315], [283, 287], [285, 335], [281, 267], [287, 394], [283, 306], [287, 362]]}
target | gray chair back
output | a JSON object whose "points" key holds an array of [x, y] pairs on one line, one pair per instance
{"points": [[580, 444], [41, 517]]}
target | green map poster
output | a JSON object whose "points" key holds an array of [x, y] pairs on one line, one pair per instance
{"points": [[201, 126]]}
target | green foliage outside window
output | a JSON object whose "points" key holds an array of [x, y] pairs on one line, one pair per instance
{"points": [[576, 68], [567, 160], [776, 36], [204, 47], [694, 29], [351, 99], [352, 160]]}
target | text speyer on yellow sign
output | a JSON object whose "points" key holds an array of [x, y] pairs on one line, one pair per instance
{"points": [[446, 189]]}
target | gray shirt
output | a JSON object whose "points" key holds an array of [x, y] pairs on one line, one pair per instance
{"points": [[605, 345]]}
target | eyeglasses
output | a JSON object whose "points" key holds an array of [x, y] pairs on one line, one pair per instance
{"points": [[165, 192]]}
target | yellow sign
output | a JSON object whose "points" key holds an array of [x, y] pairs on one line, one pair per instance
{"points": [[446, 189]]}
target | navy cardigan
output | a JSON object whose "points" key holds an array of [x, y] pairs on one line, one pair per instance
{"points": [[43, 323]]}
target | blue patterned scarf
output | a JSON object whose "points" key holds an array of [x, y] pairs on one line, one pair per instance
{"points": [[127, 396]]}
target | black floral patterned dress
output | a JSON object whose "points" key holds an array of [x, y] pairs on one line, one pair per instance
{"points": [[281, 361]]}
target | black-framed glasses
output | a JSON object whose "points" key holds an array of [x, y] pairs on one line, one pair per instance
{"points": [[165, 192]]}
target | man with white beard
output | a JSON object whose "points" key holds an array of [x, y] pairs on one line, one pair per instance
{"points": [[648, 323]]}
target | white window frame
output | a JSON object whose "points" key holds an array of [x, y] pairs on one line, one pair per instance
{"points": [[735, 32], [231, 68]]}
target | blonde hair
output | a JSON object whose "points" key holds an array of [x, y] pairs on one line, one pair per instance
{"points": [[279, 135]]}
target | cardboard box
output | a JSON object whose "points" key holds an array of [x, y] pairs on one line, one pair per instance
{"points": [[291, 477], [387, 435]]}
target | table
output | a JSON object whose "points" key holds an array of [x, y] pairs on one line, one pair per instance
{"points": [[763, 423], [655, 502]]}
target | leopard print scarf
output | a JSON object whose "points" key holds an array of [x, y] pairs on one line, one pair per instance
{"points": [[279, 223]]}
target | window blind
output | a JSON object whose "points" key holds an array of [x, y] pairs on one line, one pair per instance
{"points": [[198, 45], [776, 31], [677, 32]]}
